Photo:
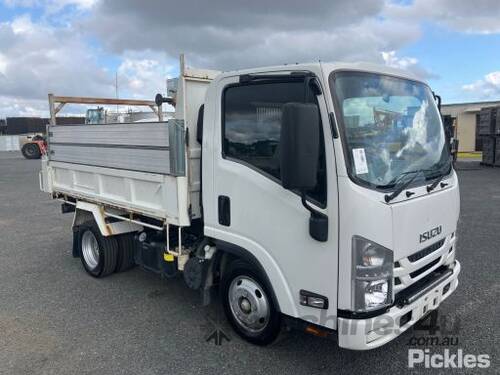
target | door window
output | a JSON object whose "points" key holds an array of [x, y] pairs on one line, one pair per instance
{"points": [[252, 125]]}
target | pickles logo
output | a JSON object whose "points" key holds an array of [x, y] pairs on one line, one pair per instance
{"points": [[430, 234], [448, 360]]}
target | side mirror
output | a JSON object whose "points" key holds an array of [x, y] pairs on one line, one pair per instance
{"points": [[300, 137], [299, 146], [437, 98], [160, 99]]}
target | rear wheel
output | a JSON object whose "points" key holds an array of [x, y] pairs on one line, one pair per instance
{"points": [[97, 253], [125, 256], [248, 304], [31, 151]]}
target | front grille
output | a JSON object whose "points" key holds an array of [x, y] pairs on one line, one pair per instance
{"points": [[414, 267], [424, 268], [424, 252]]}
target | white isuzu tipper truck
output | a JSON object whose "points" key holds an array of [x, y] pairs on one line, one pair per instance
{"points": [[316, 196]]}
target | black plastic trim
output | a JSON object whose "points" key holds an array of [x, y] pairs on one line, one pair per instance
{"points": [[416, 290], [347, 314], [224, 208], [426, 251], [427, 267], [298, 75], [76, 239], [67, 208], [199, 124], [250, 258], [333, 126]]}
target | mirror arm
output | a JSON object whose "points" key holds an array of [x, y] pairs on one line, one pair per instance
{"points": [[305, 204], [318, 222], [438, 99]]}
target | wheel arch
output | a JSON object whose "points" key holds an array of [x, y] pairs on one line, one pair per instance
{"points": [[89, 212], [86, 211], [279, 290]]}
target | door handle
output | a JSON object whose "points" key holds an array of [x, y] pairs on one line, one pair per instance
{"points": [[224, 210]]}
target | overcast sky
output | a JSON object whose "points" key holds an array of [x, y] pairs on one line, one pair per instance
{"points": [[75, 47]]}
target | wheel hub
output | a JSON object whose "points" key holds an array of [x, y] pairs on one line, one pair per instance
{"points": [[249, 304], [245, 305], [90, 249]]}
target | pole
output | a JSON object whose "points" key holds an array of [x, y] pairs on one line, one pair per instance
{"points": [[52, 110], [116, 88]]}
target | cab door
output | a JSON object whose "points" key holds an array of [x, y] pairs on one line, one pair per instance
{"points": [[248, 206]]}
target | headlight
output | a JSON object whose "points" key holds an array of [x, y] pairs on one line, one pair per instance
{"points": [[371, 275]]}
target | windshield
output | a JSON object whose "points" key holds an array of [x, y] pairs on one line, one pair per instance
{"points": [[391, 126]]}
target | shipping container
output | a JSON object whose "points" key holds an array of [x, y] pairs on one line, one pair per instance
{"points": [[487, 121], [489, 150], [497, 152], [26, 125]]}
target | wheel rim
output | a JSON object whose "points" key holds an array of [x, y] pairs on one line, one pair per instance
{"points": [[249, 304], [90, 249], [30, 150]]}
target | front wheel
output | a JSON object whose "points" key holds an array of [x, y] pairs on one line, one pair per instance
{"points": [[248, 305]]}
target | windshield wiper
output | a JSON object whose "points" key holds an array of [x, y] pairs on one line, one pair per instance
{"points": [[401, 186], [432, 186]]}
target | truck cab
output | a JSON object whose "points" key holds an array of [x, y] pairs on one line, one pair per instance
{"points": [[320, 196], [343, 251]]}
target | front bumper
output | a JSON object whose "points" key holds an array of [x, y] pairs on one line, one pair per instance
{"points": [[364, 334]]}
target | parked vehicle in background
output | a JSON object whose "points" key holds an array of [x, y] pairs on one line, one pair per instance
{"points": [[318, 196], [95, 116], [100, 116], [33, 147]]}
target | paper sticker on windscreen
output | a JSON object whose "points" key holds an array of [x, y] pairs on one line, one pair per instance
{"points": [[360, 160]]}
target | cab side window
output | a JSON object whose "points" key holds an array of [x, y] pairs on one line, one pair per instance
{"points": [[252, 126]]}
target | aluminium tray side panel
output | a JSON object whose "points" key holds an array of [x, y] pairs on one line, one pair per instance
{"points": [[138, 167], [142, 160], [144, 147], [153, 134]]}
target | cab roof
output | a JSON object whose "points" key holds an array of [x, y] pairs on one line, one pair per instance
{"points": [[331, 67]]}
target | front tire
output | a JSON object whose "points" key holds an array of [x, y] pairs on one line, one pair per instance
{"points": [[248, 304], [97, 253]]}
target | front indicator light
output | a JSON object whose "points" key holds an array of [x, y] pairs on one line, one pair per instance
{"points": [[313, 300], [316, 331]]}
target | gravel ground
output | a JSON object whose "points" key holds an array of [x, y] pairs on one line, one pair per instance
{"points": [[55, 319]]}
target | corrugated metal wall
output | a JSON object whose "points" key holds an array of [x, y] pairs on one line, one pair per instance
{"points": [[9, 143], [3, 126]]}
